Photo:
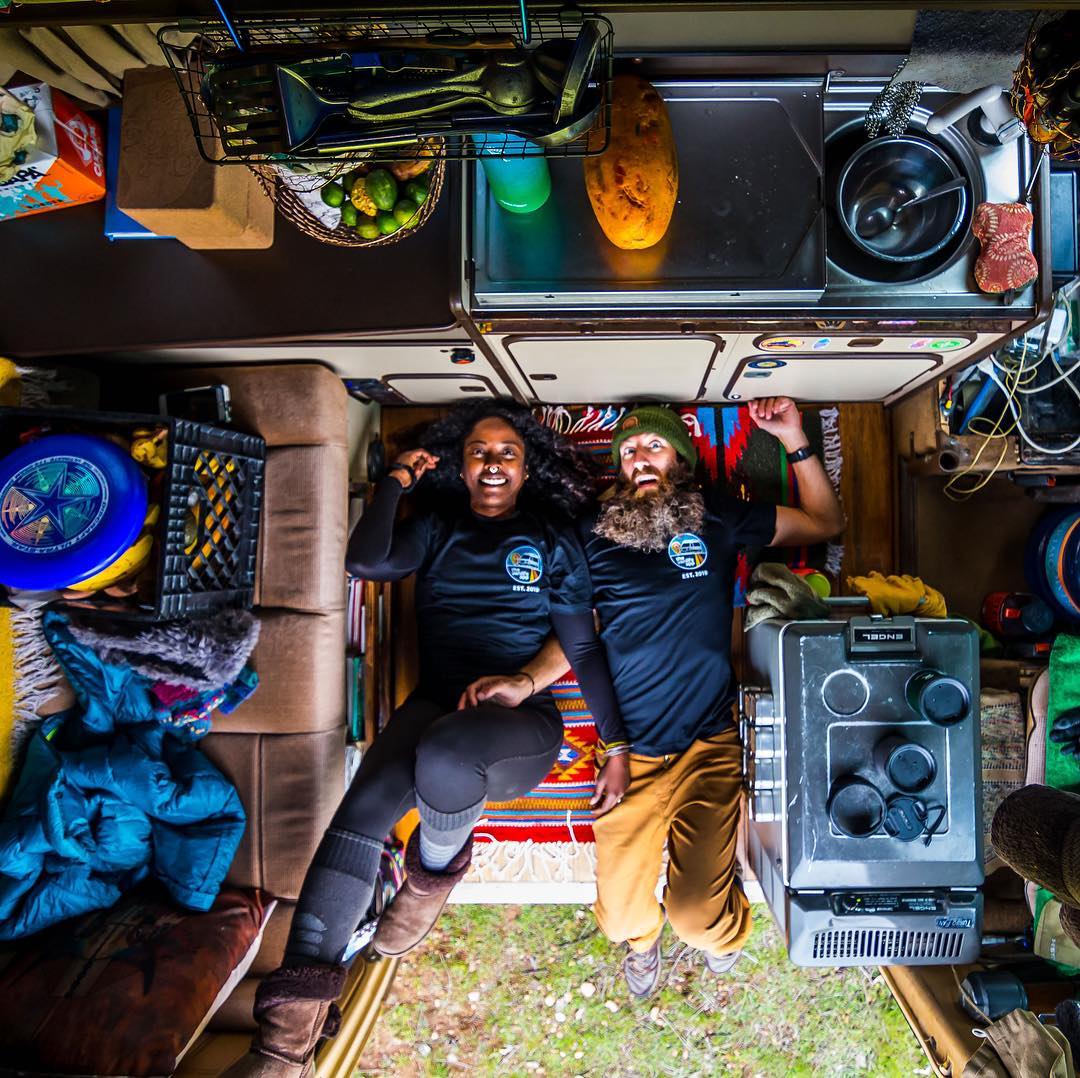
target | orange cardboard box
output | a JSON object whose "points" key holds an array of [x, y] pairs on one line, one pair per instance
{"points": [[66, 167]]}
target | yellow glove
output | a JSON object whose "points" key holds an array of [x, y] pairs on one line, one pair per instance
{"points": [[10, 387], [151, 447], [892, 595]]}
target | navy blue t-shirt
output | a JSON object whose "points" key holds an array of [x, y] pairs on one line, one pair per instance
{"points": [[485, 589], [665, 622]]}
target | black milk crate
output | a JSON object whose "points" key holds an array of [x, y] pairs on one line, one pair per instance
{"points": [[206, 541]]}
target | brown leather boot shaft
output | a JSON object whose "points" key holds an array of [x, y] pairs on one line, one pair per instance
{"points": [[414, 910], [291, 1022]]}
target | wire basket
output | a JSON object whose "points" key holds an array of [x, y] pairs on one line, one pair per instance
{"points": [[1039, 83], [290, 204], [304, 41]]}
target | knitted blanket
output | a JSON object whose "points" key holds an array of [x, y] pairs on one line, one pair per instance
{"points": [[29, 677]]}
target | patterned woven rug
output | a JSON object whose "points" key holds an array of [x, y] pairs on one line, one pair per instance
{"points": [[543, 834]]}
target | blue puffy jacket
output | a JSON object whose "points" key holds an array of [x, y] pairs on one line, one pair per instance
{"points": [[108, 796]]}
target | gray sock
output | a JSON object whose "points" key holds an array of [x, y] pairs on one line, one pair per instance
{"points": [[443, 834], [336, 894]]}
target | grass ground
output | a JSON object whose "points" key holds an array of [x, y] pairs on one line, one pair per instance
{"points": [[509, 990]]}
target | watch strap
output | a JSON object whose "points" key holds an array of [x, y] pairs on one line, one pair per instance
{"points": [[800, 454]]}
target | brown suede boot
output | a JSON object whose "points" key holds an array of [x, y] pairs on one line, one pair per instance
{"points": [[413, 911], [295, 1008]]}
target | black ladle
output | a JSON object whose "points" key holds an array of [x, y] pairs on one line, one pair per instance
{"points": [[883, 216]]}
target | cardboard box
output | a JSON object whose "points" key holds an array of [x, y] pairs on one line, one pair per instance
{"points": [[165, 184], [66, 167]]}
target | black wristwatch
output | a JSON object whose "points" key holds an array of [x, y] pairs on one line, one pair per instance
{"points": [[406, 467], [800, 454]]}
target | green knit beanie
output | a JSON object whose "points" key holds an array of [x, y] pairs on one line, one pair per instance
{"points": [[654, 419]]}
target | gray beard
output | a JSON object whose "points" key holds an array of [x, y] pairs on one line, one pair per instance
{"points": [[648, 523]]}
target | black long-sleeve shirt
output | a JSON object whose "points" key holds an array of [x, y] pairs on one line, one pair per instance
{"points": [[488, 592]]}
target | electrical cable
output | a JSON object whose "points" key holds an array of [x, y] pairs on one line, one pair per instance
{"points": [[1011, 402], [1063, 376], [953, 490], [1017, 377]]}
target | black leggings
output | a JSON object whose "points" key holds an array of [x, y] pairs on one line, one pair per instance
{"points": [[450, 761]]}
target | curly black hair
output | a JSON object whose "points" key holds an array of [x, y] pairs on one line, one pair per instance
{"points": [[561, 476]]}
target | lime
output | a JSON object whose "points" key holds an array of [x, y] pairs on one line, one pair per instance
{"points": [[348, 180], [368, 229], [405, 211], [349, 215], [333, 194], [382, 187], [417, 190], [387, 223]]}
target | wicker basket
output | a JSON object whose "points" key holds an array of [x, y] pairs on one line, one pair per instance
{"points": [[292, 208]]}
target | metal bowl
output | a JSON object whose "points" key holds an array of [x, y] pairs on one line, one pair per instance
{"points": [[890, 171]]}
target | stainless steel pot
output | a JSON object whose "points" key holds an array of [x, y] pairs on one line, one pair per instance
{"points": [[890, 171]]}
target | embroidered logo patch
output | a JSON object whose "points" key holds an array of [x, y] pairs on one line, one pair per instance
{"points": [[524, 565], [687, 551], [52, 505]]}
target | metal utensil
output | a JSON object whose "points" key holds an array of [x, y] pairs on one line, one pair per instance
{"points": [[879, 218], [274, 108], [578, 70], [503, 84], [534, 126]]}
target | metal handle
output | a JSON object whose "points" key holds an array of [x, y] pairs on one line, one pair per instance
{"points": [[1000, 122], [860, 601]]}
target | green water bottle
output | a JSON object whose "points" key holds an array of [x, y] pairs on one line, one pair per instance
{"points": [[516, 170]]}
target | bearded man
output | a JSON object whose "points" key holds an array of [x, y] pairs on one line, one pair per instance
{"points": [[661, 555]]}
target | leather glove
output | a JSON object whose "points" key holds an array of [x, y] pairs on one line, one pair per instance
{"points": [[1065, 732]]}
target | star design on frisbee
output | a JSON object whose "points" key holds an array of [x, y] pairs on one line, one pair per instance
{"points": [[53, 504]]}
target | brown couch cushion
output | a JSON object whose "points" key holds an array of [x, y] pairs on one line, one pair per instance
{"points": [[290, 785], [299, 660], [275, 936], [291, 404], [304, 529], [237, 1012]]}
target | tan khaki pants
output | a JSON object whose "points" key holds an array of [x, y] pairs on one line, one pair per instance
{"points": [[691, 801]]}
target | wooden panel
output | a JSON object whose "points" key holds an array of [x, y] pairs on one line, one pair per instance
{"points": [[866, 489], [399, 429], [983, 538]]}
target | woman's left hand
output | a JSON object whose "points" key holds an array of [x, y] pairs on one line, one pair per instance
{"points": [[506, 690]]}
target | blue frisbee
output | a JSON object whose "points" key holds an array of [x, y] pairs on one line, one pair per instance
{"points": [[70, 505]]}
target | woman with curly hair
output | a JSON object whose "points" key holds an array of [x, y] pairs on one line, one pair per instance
{"points": [[497, 564]]}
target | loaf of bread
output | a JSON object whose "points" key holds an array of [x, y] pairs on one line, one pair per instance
{"points": [[634, 183]]}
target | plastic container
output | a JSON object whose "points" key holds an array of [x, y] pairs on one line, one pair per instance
{"points": [[1052, 561], [937, 697], [206, 540], [856, 807], [908, 766], [516, 171], [1016, 615]]}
